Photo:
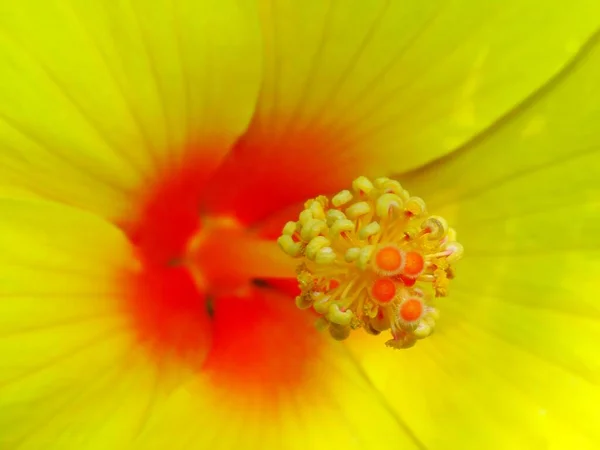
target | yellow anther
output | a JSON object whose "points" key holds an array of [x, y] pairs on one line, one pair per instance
{"points": [[422, 331], [416, 206], [360, 271], [352, 254], [341, 198], [388, 205], [391, 187], [305, 216], [436, 227], [380, 182], [335, 315], [362, 185], [289, 229], [287, 244], [357, 210], [333, 215], [313, 228], [341, 226], [339, 332], [325, 255], [323, 200], [315, 245], [321, 303], [316, 208], [456, 251], [369, 230], [364, 258]]}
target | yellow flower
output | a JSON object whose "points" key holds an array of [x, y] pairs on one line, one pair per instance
{"points": [[151, 152]]}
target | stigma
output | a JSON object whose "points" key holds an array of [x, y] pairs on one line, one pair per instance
{"points": [[372, 258]]}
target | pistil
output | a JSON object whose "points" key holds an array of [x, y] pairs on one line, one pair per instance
{"points": [[372, 257]]}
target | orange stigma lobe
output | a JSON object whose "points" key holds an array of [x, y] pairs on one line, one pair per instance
{"points": [[411, 310], [383, 290], [389, 260], [414, 264]]}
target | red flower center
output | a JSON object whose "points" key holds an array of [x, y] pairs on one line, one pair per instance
{"points": [[211, 292]]}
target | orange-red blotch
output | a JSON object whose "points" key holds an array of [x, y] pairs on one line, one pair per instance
{"points": [[262, 342], [407, 281], [334, 284], [383, 290], [169, 314]]}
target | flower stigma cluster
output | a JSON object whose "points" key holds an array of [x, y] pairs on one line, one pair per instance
{"points": [[372, 258]]}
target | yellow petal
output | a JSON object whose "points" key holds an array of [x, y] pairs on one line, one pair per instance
{"points": [[514, 360], [260, 390], [71, 372], [341, 410], [98, 96], [391, 85]]}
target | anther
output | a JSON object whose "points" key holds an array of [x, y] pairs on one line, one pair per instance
{"points": [[387, 205], [315, 245], [369, 230], [289, 246], [326, 255], [436, 227], [341, 226], [333, 215], [373, 258], [341, 198], [339, 332], [362, 185], [352, 254], [357, 210], [335, 315], [415, 206], [456, 251]]}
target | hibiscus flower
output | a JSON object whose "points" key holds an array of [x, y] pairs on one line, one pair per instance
{"points": [[152, 153]]}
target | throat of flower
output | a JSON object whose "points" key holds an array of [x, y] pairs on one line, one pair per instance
{"points": [[223, 257]]}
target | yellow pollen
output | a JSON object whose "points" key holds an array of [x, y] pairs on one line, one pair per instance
{"points": [[372, 257]]}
